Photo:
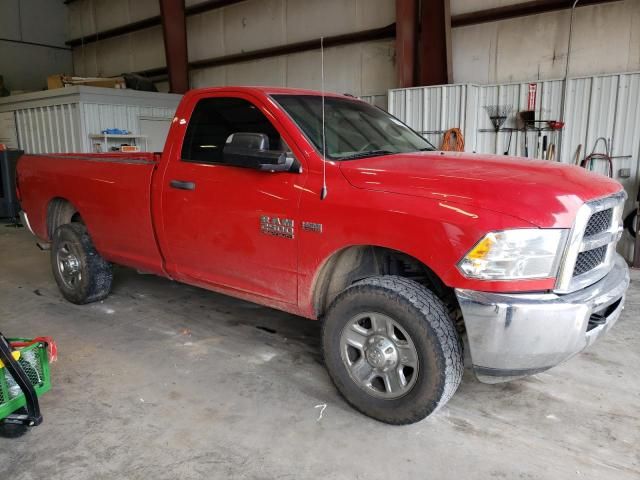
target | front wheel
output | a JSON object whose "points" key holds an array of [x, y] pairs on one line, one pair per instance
{"points": [[392, 350], [82, 275]]}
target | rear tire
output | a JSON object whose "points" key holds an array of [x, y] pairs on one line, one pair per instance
{"points": [[392, 350], [82, 275]]}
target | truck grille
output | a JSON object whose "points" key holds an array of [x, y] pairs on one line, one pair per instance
{"points": [[599, 222], [589, 260], [591, 250]]}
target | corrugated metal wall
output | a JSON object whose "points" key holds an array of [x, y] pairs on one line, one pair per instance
{"points": [[8, 130], [429, 110], [598, 106], [377, 100], [66, 128], [54, 128]]}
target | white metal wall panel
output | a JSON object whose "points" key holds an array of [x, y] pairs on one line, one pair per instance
{"points": [[470, 130], [602, 108], [431, 111], [515, 95], [377, 100], [605, 105], [577, 109], [66, 128], [61, 120], [626, 135], [49, 129], [8, 129]]}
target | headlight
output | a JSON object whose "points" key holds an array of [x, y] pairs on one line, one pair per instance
{"points": [[515, 254]]}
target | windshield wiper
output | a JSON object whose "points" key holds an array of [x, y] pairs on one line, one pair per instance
{"points": [[369, 153]]}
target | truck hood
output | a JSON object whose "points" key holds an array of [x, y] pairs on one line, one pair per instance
{"points": [[543, 193]]}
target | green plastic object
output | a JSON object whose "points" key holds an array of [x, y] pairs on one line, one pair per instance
{"points": [[34, 360]]}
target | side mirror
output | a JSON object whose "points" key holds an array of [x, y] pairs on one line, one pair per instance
{"points": [[251, 150]]}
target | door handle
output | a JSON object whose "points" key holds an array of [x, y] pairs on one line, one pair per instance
{"points": [[182, 185]]}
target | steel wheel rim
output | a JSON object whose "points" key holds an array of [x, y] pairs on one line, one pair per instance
{"points": [[379, 355], [68, 265]]}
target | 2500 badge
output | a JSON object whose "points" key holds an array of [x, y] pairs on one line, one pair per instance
{"points": [[276, 226]]}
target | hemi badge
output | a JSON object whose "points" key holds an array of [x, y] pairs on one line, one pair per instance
{"points": [[312, 227]]}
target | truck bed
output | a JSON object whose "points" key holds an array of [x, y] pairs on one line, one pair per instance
{"points": [[104, 186]]}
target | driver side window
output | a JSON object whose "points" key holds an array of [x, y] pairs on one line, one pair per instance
{"points": [[215, 119]]}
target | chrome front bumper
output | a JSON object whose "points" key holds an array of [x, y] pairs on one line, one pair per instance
{"points": [[515, 335]]}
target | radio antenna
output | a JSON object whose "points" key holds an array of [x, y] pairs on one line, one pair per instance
{"points": [[324, 191]]}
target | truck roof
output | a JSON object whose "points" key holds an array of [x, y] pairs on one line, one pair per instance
{"points": [[264, 90]]}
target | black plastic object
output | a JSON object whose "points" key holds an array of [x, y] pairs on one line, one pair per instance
{"points": [[9, 205], [138, 82], [629, 222], [33, 416]]}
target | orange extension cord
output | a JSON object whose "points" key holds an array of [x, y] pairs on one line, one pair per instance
{"points": [[453, 141]]}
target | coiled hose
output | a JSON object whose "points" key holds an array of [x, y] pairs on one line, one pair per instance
{"points": [[453, 141]]}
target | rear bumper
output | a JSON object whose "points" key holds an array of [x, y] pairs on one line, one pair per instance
{"points": [[24, 219], [515, 335]]}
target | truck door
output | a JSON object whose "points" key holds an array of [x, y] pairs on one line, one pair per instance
{"points": [[224, 225]]}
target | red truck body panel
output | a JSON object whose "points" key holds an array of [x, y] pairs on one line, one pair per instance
{"points": [[432, 206], [112, 192], [544, 193]]}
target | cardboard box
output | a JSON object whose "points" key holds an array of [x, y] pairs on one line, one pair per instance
{"points": [[54, 81], [60, 81], [129, 148]]}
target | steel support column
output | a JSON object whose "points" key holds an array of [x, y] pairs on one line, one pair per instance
{"points": [[406, 42], [434, 54], [174, 31]]}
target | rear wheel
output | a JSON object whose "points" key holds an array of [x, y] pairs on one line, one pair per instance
{"points": [[391, 349], [82, 275]]}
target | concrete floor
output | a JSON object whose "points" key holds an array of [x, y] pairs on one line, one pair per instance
{"points": [[166, 381]]}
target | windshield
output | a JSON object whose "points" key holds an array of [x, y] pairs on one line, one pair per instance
{"points": [[354, 129]]}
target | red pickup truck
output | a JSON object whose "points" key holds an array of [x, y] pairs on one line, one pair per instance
{"points": [[357, 221]]}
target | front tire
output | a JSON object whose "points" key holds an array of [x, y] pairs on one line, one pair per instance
{"points": [[392, 350], [82, 275]]}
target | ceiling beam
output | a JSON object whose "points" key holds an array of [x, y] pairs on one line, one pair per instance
{"points": [[116, 32], [338, 40], [518, 10], [147, 23]]}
